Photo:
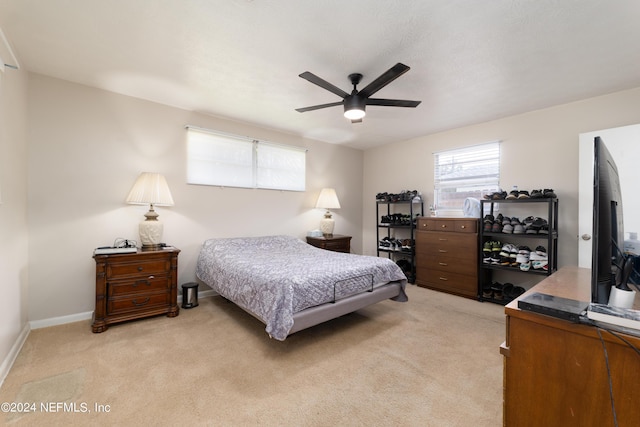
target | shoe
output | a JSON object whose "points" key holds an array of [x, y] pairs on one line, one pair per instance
{"points": [[499, 195], [507, 229], [488, 218], [497, 289], [528, 220], [548, 193], [513, 194], [496, 228], [518, 229], [540, 265], [525, 266], [536, 194], [544, 229], [541, 250], [488, 226], [506, 250], [506, 220], [487, 292], [523, 194]]}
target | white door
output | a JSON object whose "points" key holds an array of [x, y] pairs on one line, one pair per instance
{"points": [[624, 145]]}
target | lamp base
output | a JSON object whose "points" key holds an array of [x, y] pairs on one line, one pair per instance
{"points": [[150, 234], [326, 226]]}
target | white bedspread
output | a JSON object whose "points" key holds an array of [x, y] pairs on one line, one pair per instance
{"points": [[274, 277]]}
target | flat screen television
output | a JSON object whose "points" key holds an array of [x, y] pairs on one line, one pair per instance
{"points": [[609, 266]]}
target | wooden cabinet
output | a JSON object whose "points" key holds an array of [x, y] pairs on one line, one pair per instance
{"points": [[447, 255], [558, 373], [135, 285], [337, 243]]}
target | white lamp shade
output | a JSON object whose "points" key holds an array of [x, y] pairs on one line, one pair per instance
{"points": [[328, 199], [150, 188]]}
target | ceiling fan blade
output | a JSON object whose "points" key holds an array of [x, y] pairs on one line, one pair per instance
{"points": [[317, 107], [323, 84], [392, 102], [387, 77]]}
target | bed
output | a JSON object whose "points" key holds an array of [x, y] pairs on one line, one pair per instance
{"points": [[290, 285]]}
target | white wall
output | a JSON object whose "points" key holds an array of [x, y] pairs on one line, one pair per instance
{"points": [[13, 214], [87, 146], [539, 150]]}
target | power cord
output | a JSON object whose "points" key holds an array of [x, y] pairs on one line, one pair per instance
{"points": [[606, 360], [124, 243]]}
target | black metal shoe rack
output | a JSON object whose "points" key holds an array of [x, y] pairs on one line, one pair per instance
{"points": [[399, 231], [531, 240]]}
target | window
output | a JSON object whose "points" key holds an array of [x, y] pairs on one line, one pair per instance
{"points": [[465, 172], [234, 161]]}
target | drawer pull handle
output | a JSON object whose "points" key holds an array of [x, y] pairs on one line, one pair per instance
{"points": [[443, 263], [443, 226], [140, 269], [151, 278], [442, 239], [442, 251], [463, 226], [443, 279], [140, 304]]}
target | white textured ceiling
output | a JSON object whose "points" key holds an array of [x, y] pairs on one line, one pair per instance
{"points": [[471, 60]]}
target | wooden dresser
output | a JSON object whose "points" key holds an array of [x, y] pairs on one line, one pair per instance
{"points": [[136, 285], [447, 255], [558, 373]]}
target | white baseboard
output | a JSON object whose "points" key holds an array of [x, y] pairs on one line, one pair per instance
{"points": [[55, 321], [7, 363]]}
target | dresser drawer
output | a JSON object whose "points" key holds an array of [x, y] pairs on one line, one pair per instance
{"points": [[137, 268], [456, 283], [447, 244], [137, 286], [140, 303], [457, 225], [465, 266]]}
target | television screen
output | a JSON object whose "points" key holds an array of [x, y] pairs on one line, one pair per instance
{"points": [[608, 258]]}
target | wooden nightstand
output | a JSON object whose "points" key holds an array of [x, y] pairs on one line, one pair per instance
{"points": [[135, 285], [337, 243]]}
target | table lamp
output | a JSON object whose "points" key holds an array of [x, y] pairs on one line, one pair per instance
{"points": [[150, 188], [327, 200]]}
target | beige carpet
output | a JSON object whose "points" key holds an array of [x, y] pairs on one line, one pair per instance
{"points": [[433, 361]]}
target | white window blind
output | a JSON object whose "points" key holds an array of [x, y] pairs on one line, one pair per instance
{"points": [[465, 172], [234, 161]]}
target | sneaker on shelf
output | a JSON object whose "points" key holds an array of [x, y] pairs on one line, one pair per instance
{"points": [[541, 250], [548, 193], [536, 194], [540, 265], [507, 229], [513, 194], [525, 266], [506, 220], [496, 228], [523, 194]]}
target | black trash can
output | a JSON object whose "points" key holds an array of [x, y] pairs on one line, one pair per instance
{"points": [[190, 295]]}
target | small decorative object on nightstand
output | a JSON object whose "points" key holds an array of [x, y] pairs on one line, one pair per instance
{"points": [[336, 243], [135, 285]]}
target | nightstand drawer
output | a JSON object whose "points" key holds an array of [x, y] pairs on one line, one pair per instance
{"points": [[137, 303], [142, 285], [136, 268]]}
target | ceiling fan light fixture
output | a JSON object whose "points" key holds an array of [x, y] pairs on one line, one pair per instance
{"points": [[354, 107]]}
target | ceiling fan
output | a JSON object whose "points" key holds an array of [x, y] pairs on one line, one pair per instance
{"points": [[355, 102]]}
